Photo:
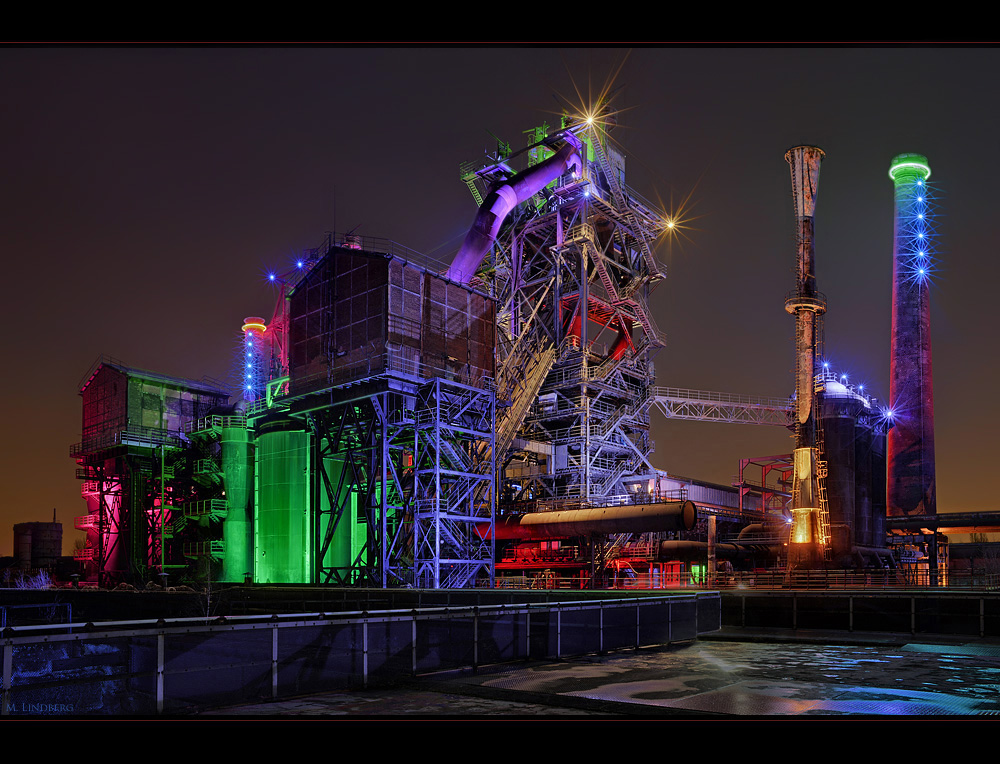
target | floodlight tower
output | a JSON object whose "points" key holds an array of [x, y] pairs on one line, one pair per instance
{"points": [[809, 535], [911, 481]]}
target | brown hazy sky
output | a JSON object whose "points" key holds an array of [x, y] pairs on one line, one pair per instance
{"points": [[145, 191]]}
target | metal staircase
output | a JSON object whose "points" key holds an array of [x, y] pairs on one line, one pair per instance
{"points": [[583, 235], [521, 375], [625, 209]]}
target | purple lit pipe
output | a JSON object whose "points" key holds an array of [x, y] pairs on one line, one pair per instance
{"points": [[498, 204]]}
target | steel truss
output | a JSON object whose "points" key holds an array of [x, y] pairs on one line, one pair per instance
{"points": [[572, 270], [708, 406], [360, 473], [124, 485], [414, 467], [455, 484]]}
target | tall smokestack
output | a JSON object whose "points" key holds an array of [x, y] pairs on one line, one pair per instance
{"points": [[807, 540], [911, 482]]}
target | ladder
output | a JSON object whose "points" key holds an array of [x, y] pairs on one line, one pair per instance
{"points": [[824, 509]]}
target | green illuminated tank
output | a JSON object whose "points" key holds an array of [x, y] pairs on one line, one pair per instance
{"points": [[236, 468], [282, 547]]}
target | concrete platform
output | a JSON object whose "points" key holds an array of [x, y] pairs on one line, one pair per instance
{"points": [[778, 674]]}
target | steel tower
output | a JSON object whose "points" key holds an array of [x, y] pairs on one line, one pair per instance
{"points": [[567, 248], [911, 482]]}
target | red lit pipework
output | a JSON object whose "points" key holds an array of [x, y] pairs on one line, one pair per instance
{"points": [[567, 523], [622, 342]]}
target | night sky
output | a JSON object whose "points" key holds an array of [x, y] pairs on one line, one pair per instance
{"points": [[146, 192]]}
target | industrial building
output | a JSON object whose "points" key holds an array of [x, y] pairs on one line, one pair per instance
{"points": [[481, 422]]}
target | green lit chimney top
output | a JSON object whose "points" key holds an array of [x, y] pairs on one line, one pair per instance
{"points": [[905, 165]]}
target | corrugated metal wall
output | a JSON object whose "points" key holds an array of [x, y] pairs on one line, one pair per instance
{"points": [[357, 315]]}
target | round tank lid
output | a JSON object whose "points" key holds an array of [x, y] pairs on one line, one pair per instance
{"points": [[254, 322], [909, 164], [834, 389]]}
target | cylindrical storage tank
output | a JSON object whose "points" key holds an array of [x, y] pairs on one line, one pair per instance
{"points": [[838, 416], [863, 485], [237, 471], [22, 545], [879, 495], [282, 548], [37, 545]]}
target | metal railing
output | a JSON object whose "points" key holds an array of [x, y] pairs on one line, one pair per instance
{"points": [[870, 579], [214, 421], [184, 664], [132, 435], [897, 611], [377, 364], [375, 244]]}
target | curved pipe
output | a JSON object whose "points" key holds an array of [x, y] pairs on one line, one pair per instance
{"points": [[629, 518], [698, 550], [498, 204], [622, 341], [779, 529]]}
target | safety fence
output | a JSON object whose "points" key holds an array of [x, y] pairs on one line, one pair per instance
{"points": [[872, 578], [915, 612], [178, 666]]}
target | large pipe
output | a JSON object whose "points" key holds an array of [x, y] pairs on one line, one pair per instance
{"points": [[498, 204], [698, 550], [630, 518]]}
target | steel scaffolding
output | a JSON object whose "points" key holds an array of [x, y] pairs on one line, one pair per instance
{"points": [[572, 269], [137, 466], [390, 385]]}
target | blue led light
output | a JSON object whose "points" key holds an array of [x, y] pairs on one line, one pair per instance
{"points": [[916, 234]]}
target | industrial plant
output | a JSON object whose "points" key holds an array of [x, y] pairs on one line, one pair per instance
{"points": [[485, 422]]}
